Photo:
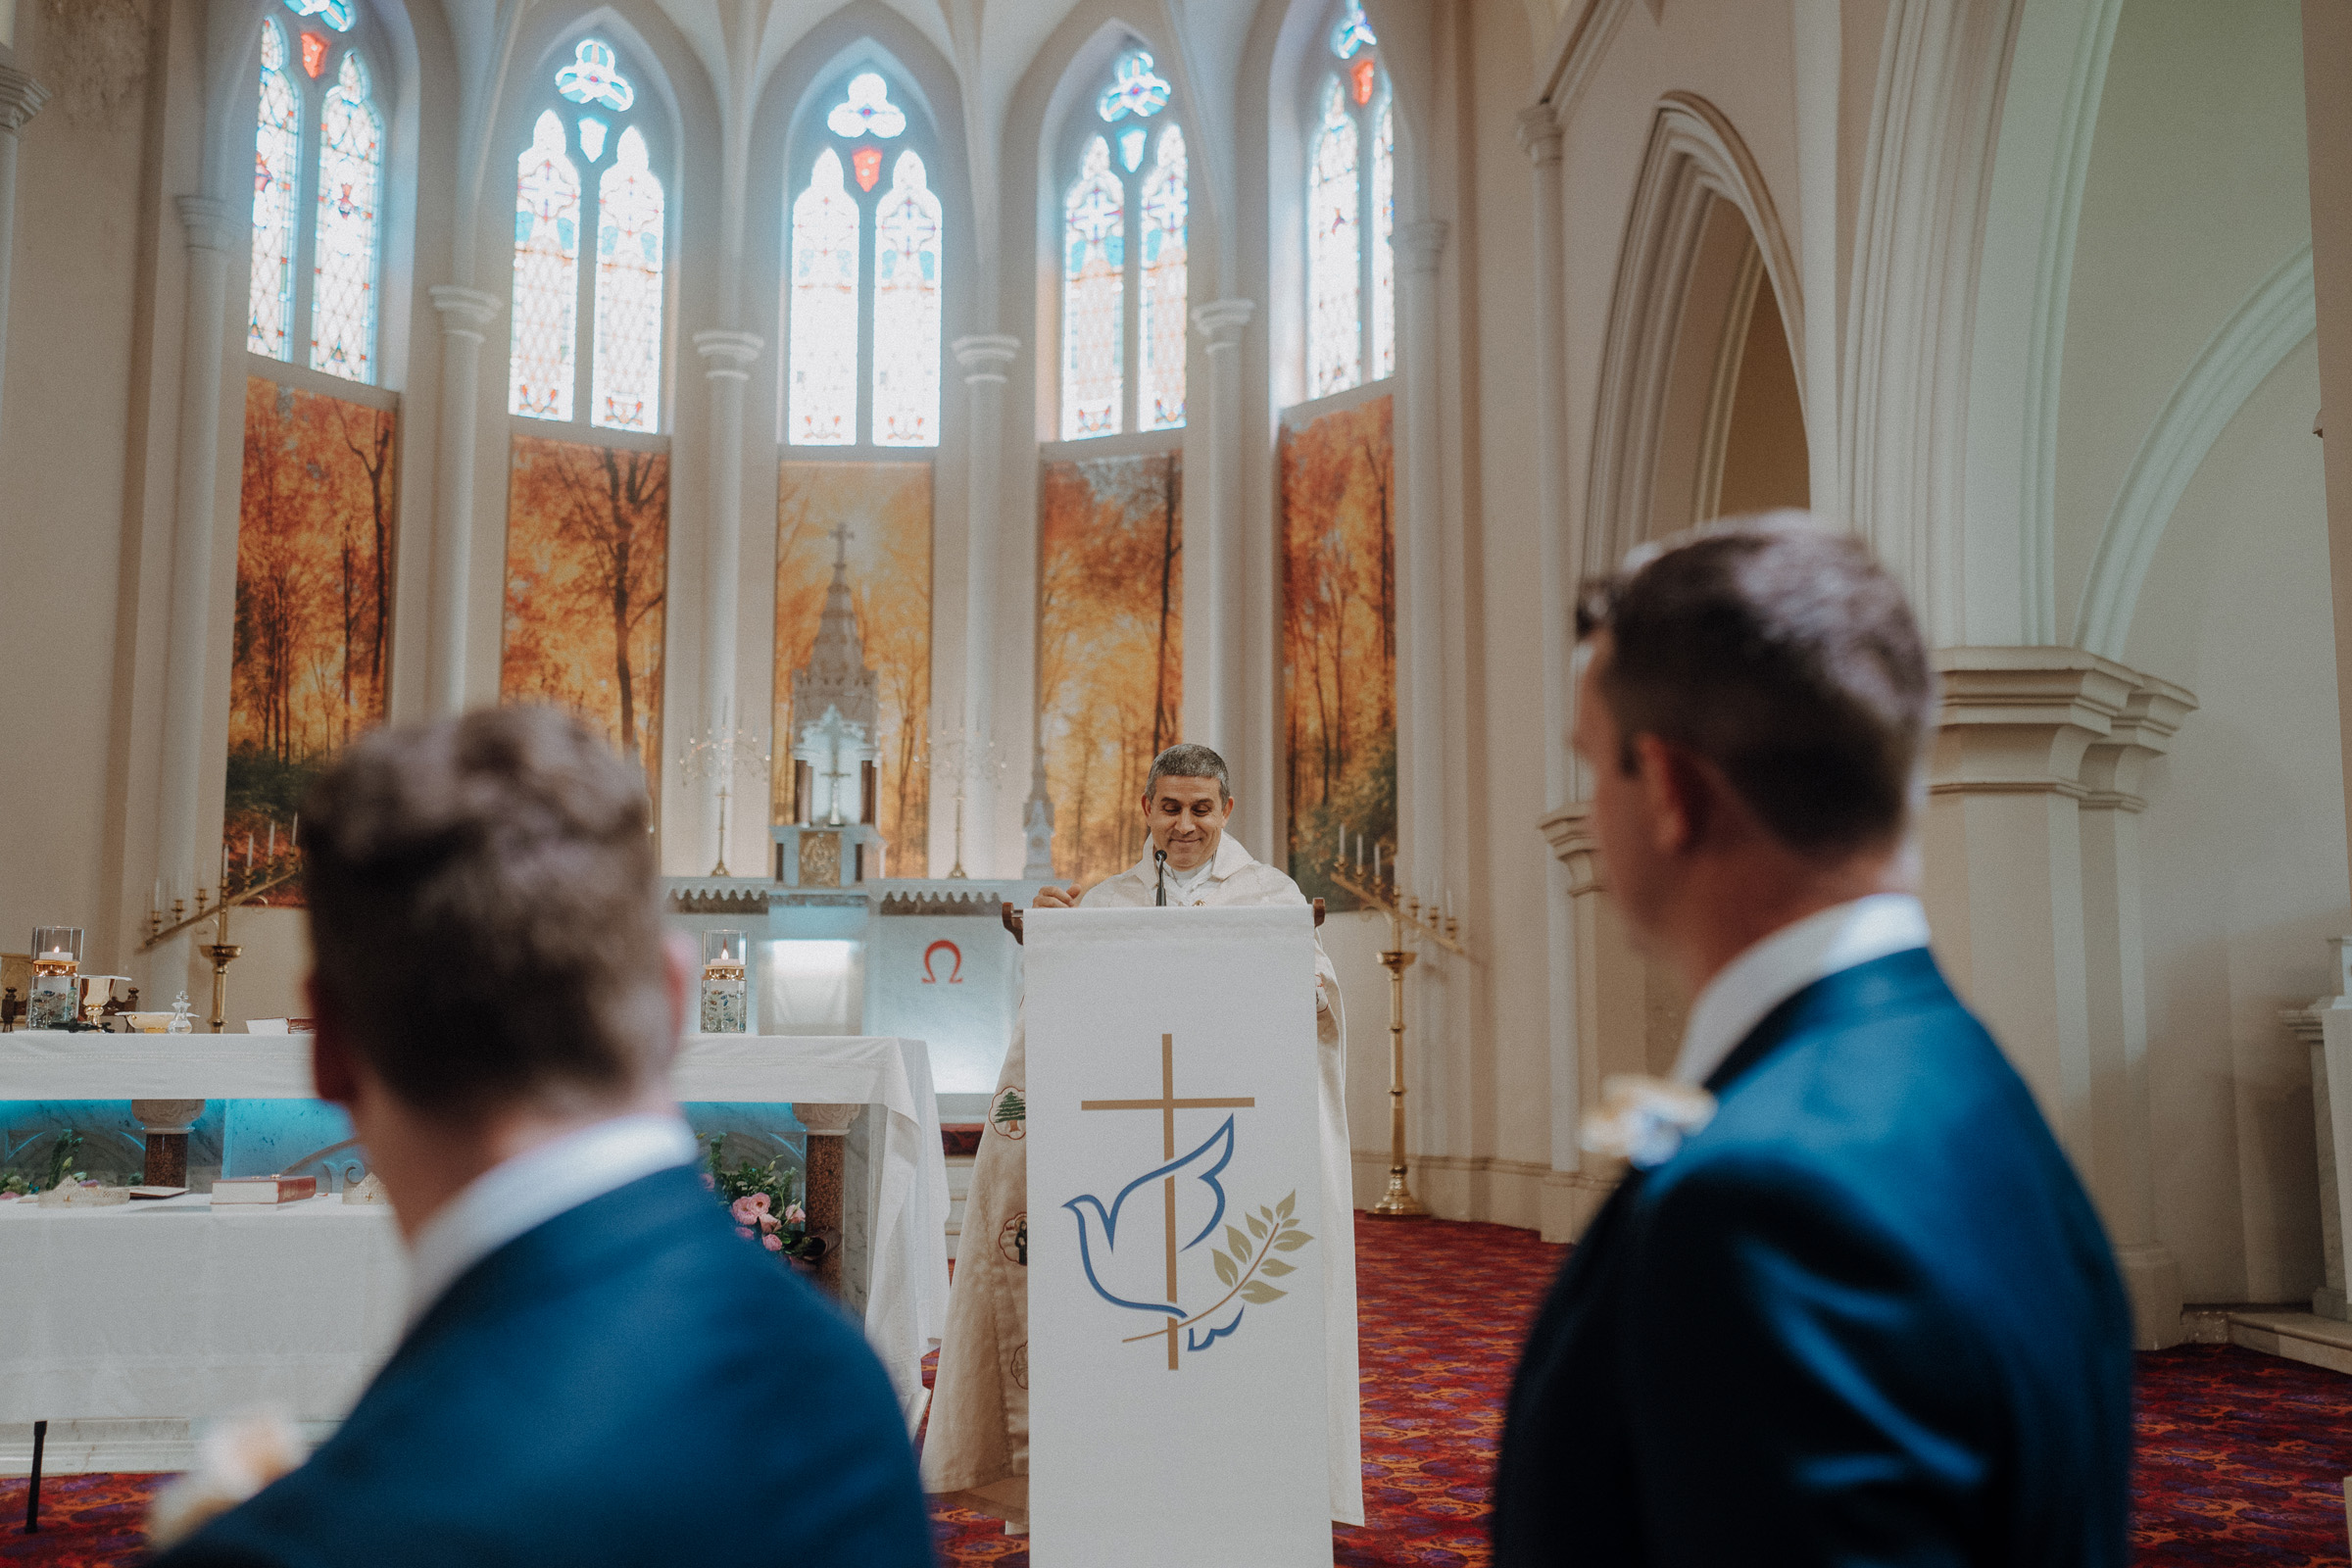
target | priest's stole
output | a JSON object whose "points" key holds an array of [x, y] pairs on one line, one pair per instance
{"points": [[1176, 1355]]}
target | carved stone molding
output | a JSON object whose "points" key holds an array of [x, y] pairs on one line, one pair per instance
{"points": [[1221, 322], [465, 312], [21, 98], [1540, 134], [2041, 720], [986, 356], [1422, 244], [1569, 832], [210, 223], [726, 354]]}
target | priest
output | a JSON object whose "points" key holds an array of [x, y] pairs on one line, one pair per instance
{"points": [[976, 1452]]}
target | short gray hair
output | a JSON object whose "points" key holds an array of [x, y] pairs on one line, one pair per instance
{"points": [[1185, 760]]}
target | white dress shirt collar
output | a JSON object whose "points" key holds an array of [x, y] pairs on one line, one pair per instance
{"points": [[534, 1188], [1787, 961]]}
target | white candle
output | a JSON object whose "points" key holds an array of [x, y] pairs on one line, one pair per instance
{"points": [[249, 852], [1376, 859], [273, 838], [294, 834], [57, 955]]}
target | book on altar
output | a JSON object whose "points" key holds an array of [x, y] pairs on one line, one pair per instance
{"points": [[263, 1190], [156, 1193]]}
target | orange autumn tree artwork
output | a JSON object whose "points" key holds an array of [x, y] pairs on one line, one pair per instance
{"points": [[1109, 648], [885, 509], [314, 605], [1339, 640], [587, 579]]}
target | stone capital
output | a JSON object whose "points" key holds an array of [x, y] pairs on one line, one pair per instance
{"points": [[1540, 134], [1422, 243], [1569, 832], [1221, 322], [465, 312], [208, 222], [2048, 720], [21, 97], [826, 1121], [986, 357], [725, 352]]}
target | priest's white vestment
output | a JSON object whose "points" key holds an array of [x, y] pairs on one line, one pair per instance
{"points": [[976, 1451]]}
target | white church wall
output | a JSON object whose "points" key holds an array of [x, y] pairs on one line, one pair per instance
{"points": [[2196, 189], [2244, 846]]}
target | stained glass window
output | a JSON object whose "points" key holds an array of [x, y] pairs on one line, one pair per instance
{"points": [[1351, 32], [351, 175], [594, 78], [906, 257], [1383, 243], [1334, 255], [866, 108], [1161, 329], [1093, 297], [277, 166], [336, 13], [1134, 89], [822, 403], [626, 391], [547, 276]]}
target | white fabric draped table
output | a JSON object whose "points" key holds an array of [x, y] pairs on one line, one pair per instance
{"points": [[177, 1310]]}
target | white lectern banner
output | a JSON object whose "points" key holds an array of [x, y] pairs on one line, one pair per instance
{"points": [[1176, 1355]]}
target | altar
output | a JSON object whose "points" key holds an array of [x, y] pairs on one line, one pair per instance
{"points": [[175, 1313]]}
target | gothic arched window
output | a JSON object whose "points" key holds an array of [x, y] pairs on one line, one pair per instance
{"points": [[1350, 215], [1145, 176], [621, 211], [316, 90], [843, 310]]}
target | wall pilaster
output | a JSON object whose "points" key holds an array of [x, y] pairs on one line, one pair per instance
{"points": [[465, 313], [2033, 885], [21, 98], [987, 358], [1213, 620], [726, 357]]}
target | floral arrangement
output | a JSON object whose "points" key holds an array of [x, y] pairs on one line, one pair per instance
{"points": [[760, 1199], [15, 1184]]}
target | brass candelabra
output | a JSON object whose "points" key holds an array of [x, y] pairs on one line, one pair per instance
{"points": [[1405, 912], [237, 887]]}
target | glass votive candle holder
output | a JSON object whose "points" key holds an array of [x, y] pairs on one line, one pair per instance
{"points": [[56, 999], [724, 992]]}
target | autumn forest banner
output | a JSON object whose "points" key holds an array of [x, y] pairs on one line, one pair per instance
{"points": [[314, 608], [885, 508], [586, 583], [1339, 640], [1109, 648]]}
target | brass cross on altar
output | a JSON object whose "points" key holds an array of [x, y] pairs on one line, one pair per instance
{"points": [[1167, 1104]]}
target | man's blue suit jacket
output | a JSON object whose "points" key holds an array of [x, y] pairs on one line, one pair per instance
{"points": [[1866, 1315], [629, 1382]]}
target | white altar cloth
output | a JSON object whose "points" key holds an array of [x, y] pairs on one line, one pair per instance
{"points": [[906, 1285], [178, 1310]]}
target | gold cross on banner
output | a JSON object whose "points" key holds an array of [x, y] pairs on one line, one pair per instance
{"points": [[1167, 1104]]}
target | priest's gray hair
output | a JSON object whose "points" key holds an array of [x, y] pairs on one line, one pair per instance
{"points": [[1185, 760]]}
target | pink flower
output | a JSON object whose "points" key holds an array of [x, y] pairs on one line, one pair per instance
{"points": [[768, 1222], [744, 1210], [758, 1201], [775, 1244], [707, 1184], [740, 1231], [794, 1214]]}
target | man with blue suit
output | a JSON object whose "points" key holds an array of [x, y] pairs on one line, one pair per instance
{"points": [[599, 1369], [1851, 1304]]}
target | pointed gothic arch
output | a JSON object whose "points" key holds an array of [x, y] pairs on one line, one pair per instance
{"points": [[1702, 241]]}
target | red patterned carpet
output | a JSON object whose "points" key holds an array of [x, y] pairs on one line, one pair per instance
{"points": [[2241, 1456]]}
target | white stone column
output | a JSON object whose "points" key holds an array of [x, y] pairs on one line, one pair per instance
{"points": [[986, 359], [21, 98], [210, 227], [2123, 1169], [1422, 785], [1540, 138], [465, 313], [2033, 889], [1214, 627], [726, 357]]}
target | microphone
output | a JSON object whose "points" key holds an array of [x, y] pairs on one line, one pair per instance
{"points": [[1160, 857]]}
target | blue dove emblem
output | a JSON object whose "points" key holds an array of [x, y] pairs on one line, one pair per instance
{"points": [[1100, 1254]]}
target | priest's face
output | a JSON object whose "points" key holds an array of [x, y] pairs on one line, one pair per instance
{"points": [[1623, 813], [1186, 819]]}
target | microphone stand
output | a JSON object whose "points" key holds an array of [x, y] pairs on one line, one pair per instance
{"points": [[1160, 857]]}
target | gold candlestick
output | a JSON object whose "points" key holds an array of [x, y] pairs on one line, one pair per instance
{"points": [[1398, 1202]]}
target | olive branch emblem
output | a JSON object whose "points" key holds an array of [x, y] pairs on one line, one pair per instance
{"points": [[1245, 1264]]}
